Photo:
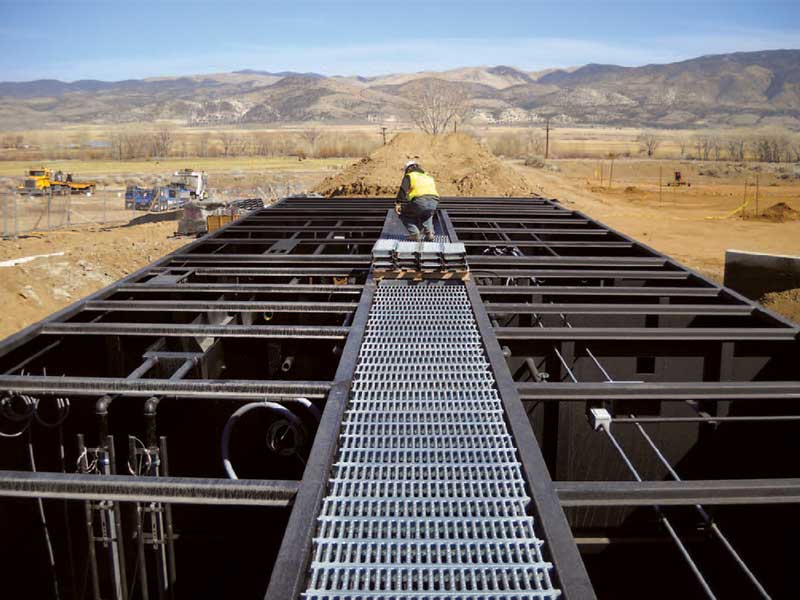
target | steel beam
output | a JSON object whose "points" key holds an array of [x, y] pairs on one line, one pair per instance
{"points": [[231, 389], [172, 490], [199, 330], [742, 310], [220, 306], [660, 391], [622, 334], [678, 493]]}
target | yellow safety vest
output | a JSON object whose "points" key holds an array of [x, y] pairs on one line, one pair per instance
{"points": [[422, 184]]}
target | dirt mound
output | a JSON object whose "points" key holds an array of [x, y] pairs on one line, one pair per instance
{"points": [[780, 213], [461, 166], [785, 303]]}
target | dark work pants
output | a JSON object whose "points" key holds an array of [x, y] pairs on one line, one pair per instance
{"points": [[418, 214]]}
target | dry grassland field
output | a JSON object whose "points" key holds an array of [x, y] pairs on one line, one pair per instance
{"points": [[694, 224]]}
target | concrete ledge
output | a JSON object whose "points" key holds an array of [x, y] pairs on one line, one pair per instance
{"points": [[754, 274]]}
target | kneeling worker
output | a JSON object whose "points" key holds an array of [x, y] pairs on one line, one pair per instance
{"points": [[417, 201]]}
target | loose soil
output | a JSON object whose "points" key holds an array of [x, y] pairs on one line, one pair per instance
{"points": [[785, 303], [93, 258], [780, 213], [460, 165]]}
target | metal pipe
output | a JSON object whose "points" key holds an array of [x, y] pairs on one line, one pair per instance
{"points": [[664, 521], [706, 517], [172, 574], [184, 369], [51, 558], [89, 519], [287, 364]]}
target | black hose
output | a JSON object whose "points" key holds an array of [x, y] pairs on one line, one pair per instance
{"points": [[232, 420]]}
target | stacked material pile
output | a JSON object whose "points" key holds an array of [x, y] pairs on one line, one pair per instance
{"points": [[421, 257]]}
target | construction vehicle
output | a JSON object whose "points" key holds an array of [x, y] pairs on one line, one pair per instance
{"points": [[44, 181], [194, 182], [678, 181], [186, 185]]}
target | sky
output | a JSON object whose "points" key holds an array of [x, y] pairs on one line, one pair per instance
{"points": [[124, 39]]}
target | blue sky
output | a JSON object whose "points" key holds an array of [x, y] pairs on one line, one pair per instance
{"points": [[118, 39]]}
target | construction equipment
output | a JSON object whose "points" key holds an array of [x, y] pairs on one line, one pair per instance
{"points": [[186, 185], [678, 181], [194, 182], [43, 181]]}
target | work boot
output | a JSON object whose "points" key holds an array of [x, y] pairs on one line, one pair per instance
{"points": [[429, 237]]}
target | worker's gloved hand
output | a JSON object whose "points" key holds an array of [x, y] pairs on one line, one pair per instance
{"points": [[398, 208]]}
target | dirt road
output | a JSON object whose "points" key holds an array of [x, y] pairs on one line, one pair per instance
{"points": [[687, 223]]}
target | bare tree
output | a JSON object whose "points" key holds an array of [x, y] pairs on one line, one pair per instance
{"points": [[702, 144], [770, 148], [311, 137], [649, 142], [715, 146], [162, 141], [230, 143], [683, 144], [201, 145], [736, 147], [437, 105], [535, 142]]}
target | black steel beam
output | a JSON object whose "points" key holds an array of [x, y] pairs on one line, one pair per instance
{"points": [[619, 309], [198, 330], [678, 493], [172, 490], [596, 290], [233, 389], [220, 306], [721, 334], [291, 566], [660, 391], [550, 518]]}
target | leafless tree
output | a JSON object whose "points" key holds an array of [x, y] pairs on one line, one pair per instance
{"points": [[437, 105], [649, 141], [736, 147], [715, 146], [230, 143], [702, 144], [162, 141], [311, 137], [201, 145], [683, 144], [535, 142], [770, 148]]}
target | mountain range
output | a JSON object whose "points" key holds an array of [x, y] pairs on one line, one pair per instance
{"points": [[728, 90]]}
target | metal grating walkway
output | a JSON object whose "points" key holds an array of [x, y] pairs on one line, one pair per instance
{"points": [[426, 498]]}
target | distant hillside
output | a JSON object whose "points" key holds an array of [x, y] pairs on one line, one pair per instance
{"points": [[742, 89]]}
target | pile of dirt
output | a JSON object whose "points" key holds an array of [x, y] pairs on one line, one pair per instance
{"points": [[780, 213], [785, 303], [460, 165], [43, 273]]}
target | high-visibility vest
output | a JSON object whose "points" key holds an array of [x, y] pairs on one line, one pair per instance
{"points": [[422, 184]]}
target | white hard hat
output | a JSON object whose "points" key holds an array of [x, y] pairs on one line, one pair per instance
{"points": [[411, 163]]}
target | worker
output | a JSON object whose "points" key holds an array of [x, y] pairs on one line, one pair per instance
{"points": [[416, 202]]}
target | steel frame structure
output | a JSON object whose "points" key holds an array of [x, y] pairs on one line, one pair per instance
{"points": [[573, 316]]}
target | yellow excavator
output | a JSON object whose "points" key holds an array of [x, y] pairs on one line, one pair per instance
{"points": [[44, 181]]}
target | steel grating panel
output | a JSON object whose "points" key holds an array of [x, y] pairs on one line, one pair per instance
{"points": [[426, 497]]}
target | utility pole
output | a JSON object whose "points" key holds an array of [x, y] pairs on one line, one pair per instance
{"points": [[756, 194], [547, 138], [383, 131]]}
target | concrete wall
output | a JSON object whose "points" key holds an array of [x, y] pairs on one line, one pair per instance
{"points": [[753, 274]]}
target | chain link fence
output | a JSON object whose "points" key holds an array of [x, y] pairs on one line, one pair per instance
{"points": [[24, 214]]}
